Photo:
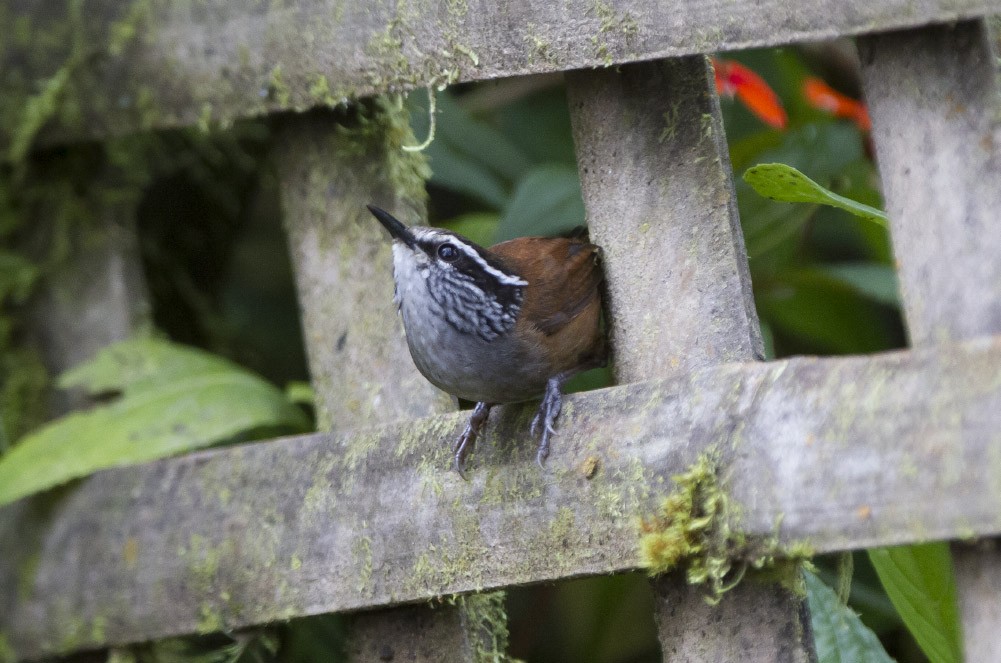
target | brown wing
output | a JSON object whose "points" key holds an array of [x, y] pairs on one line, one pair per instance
{"points": [[564, 275]]}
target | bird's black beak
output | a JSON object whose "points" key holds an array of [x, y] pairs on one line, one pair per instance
{"points": [[394, 226]]}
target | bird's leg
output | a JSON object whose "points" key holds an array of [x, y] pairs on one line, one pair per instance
{"points": [[467, 440], [549, 409]]}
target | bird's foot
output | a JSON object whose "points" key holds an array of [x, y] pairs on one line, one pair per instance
{"points": [[544, 419], [464, 444]]}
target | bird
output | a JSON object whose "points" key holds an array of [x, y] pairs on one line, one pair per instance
{"points": [[504, 324]]}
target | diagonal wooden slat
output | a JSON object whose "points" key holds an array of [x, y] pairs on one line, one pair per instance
{"points": [[935, 106], [319, 523], [656, 178], [171, 63]]}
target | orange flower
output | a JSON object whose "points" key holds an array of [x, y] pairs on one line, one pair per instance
{"points": [[821, 95], [734, 79]]}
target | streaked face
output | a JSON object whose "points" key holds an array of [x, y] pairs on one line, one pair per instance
{"points": [[475, 291]]}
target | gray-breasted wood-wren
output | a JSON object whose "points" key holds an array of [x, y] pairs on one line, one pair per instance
{"points": [[500, 325]]}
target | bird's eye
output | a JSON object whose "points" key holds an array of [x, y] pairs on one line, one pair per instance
{"points": [[448, 252]]}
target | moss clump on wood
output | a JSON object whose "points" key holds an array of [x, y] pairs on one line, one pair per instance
{"points": [[486, 623], [693, 530]]}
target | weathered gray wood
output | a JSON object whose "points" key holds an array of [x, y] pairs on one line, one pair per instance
{"points": [[655, 175], [358, 520], [934, 101], [656, 179], [360, 366], [933, 95], [170, 62], [358, 359], [979, 585], [474, 630], [692, 631], [97, 294]]}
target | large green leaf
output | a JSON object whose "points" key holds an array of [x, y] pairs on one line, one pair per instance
{"points": [[875, 281], [547, 201], [17, 274], [919, 581], [173, 399], [824, 311], [778, 181], [480, 227], [840, 635], [467, 155]]}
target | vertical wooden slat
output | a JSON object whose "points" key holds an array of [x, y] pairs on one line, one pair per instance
{"points": [[97, 294], [934, 100], [933, 96], [657, 187], [358, 359], [361, 369]]}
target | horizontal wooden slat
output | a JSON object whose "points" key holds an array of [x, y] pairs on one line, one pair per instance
{"points": [[158, 63], [839, 452]]}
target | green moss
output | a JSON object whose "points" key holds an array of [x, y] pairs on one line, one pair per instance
{"points": [[24, 383], [693, 530], [209, 619], [486, 623], [459, 556], [57, 78], [7, 653], [278, 88], [319, 90], [124, 31], [97, 629], [204, 563], [671, 119], [204, 123], [362, 551]]}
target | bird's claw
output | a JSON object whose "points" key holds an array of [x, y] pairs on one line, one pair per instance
{"points": [[464, 443], [544, 419]]}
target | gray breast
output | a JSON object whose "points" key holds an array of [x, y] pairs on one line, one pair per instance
{"points": [[499, 370]]}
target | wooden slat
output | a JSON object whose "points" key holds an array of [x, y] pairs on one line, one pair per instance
{"points": [[357, 520], [933, 94], [935, 108], [97, 294], [217, 60], [359, 363], [655, 175], [656, 178], [328, 170], [692, 631]]}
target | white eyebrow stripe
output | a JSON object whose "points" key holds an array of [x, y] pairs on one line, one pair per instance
{"points": [[505, 279]]}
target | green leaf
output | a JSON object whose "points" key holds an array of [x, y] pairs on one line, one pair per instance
{"points": [[174, 399], [840, 635], [459, 173], [479, 141], [919, 581], [547, 201], [17, 275], [300, 393], [823, 311], [786, 184], [467, 155], [480, 227], [875, 281]]}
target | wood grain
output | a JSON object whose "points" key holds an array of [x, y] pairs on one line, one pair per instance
{"points": [[169, 63], [840, 453]]}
